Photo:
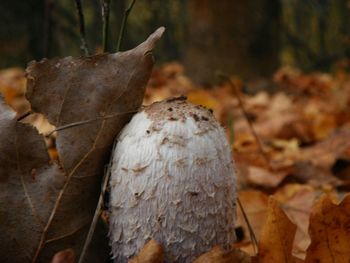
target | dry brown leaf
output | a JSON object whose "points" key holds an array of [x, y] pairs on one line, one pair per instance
{"points": [[255, 206], [64, 256], [220, 255], [324, 153], [297, 200], [49, 209], [330, 232], [152, 252], [276, 240], [264, 177]]}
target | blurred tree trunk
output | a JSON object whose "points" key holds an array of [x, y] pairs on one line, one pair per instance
{"points": [[236, 37]]}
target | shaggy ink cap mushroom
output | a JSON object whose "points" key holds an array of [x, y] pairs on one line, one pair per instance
{"points": [[173, 181]]}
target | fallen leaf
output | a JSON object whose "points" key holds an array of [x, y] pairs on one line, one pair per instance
{"points": [[24, 200], [54, 211], [205, 98], [277, 235], [263, 177], [255, 206], [152, 252], [296, 201], [330, 232], [219, 255], [64, 256]]}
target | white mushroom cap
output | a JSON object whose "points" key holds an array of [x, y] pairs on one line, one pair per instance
{"points": [[173, 181]]}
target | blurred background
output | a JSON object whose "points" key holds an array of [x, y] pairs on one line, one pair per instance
{"points": [[250, 39]]}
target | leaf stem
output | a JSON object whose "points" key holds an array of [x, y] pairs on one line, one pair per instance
{"points": [[123, 25], [81, 21]]}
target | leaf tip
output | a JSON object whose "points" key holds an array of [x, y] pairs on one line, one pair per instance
{"points": [[154, 38]]}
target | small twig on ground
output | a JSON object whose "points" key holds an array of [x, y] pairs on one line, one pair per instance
{"points": [[25, 115], [105, 4], [245, 113], [81, 21], [123, 25], [98, 207], [251, 231]]}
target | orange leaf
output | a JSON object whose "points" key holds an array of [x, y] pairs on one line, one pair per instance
{"points": [[152, 252], [220, 255], [276, 240], [330, 232]]}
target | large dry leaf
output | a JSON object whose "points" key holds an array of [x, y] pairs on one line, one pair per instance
{"points": [[25, 173], [44, 210], [276, 240], [330, 232]]}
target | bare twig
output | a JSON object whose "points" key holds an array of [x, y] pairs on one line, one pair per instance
{"points": [[98, 207], [245, 113], [81, 21], [123, 25], [105, 4], [25, 115], [251, 231]]}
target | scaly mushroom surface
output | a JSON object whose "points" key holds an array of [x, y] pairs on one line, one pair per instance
{"points": [[172, 180]]}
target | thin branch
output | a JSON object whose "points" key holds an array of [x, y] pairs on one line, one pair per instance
{"points": [[105, 4], [123, 25], [81, 21], [245, 113], [25, 115], [251, 231], [98, 208]]}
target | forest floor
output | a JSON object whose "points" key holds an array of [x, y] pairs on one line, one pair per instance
{"points": [[297, 148]]}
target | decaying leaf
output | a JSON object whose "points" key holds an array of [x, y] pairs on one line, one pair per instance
{"points": [[25, 174], [276, 240], [220, 255], [330, 232], [152, 252], [50, 209]]}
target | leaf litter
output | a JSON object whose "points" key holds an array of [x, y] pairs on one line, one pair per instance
{"points": [[304, 129]]}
